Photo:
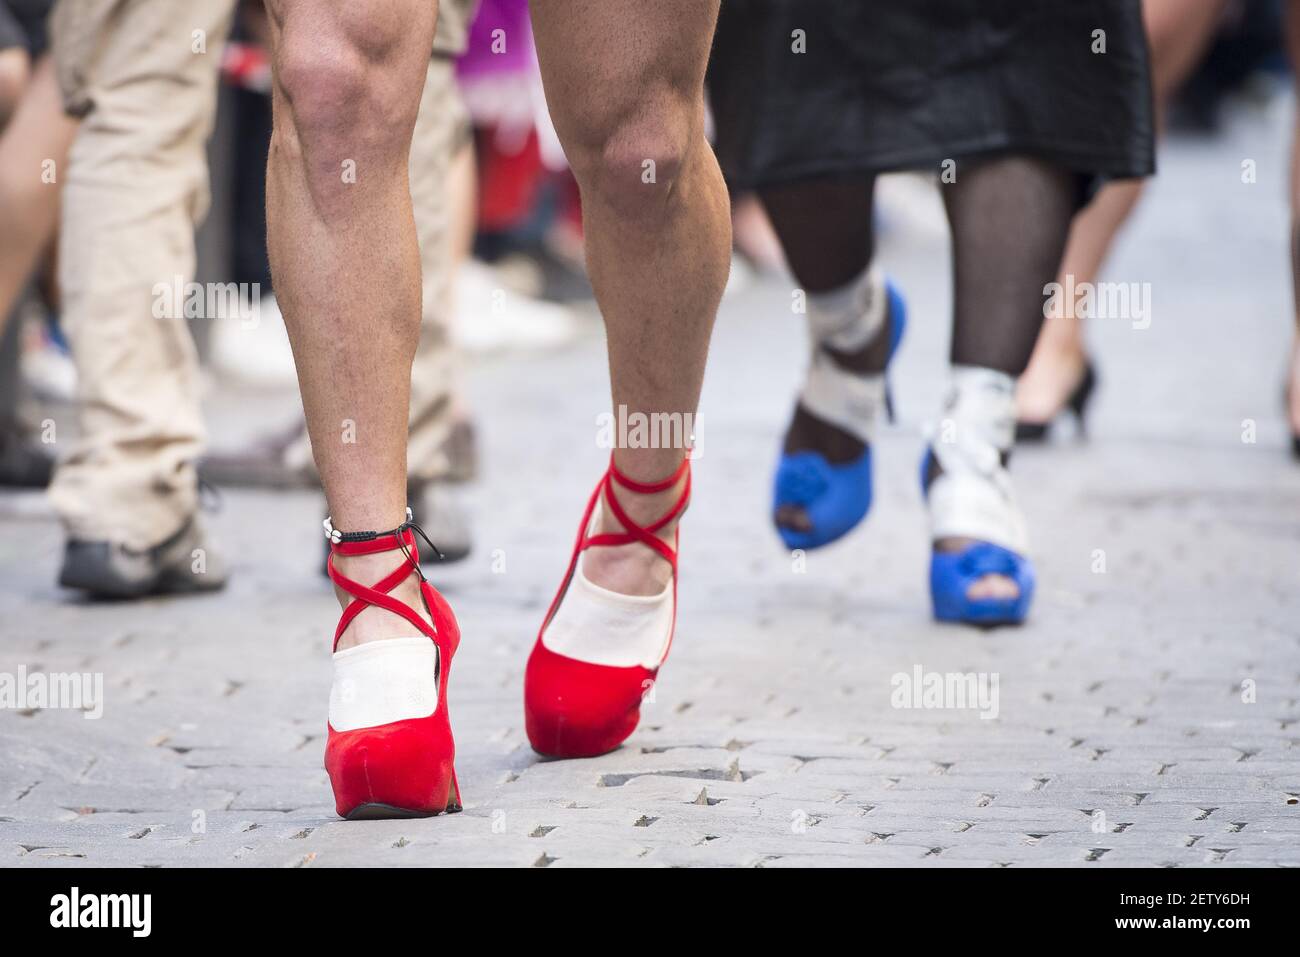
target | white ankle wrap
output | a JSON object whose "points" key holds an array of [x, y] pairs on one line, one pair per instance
{"points": [[849, 400], [973, 497], [849, 317], [846, 319], [384, 681], [604, 627]]}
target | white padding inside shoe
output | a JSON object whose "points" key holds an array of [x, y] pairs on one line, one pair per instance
{"points": [[973, 497], [603, 627], [384, 681]]}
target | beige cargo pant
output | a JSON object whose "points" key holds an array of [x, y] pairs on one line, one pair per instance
{"points": [[143, 74]]}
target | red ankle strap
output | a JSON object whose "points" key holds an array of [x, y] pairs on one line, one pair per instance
{"points": [[635, 532], [384, 543], [649, 488], [364, 595]]}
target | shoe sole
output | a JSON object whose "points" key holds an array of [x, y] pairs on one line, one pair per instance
{"points": [[98, 585], [386, 812], [382, 811], [984, 624], [571, 755]]}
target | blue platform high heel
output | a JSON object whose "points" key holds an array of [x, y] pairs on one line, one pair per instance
{"points": [[834, 497], [968, 492]]}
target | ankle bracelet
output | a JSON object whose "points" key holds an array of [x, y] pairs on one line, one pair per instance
{"points": [[336, 537]]}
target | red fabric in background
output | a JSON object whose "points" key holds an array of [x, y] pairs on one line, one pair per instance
{"points": [[508, 182]]}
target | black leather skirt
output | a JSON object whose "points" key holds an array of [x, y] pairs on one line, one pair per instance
{"points": [[809, 88], [22, 24]]}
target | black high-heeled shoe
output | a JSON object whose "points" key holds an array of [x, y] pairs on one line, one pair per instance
{"points": [[1077, 404]]}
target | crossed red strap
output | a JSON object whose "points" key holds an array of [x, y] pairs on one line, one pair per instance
{"points": [[377, 594], [634, 532]]}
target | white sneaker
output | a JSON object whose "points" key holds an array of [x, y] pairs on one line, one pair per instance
{"points": [[490, 317], [254, 352]]}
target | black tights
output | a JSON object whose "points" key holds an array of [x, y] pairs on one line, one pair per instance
{"points": [[1009, 216]]}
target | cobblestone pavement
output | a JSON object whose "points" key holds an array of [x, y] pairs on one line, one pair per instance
{"points": [[1149, 713]]}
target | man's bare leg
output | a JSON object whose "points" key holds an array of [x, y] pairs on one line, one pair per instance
{"points": [[625, 84], [343, 249]]}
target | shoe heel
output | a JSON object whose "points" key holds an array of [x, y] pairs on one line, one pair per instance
{"points": [[898, 325], [453, 795], [1082, 396], [403, 769]]}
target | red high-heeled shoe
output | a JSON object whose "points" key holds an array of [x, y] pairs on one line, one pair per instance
{"points": [[390, 751], [590, 669]]}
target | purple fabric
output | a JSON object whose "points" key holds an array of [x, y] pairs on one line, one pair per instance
{"points": [[510, 17]]}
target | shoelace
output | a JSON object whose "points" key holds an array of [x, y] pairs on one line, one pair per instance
{"points": [[400, 532]]}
